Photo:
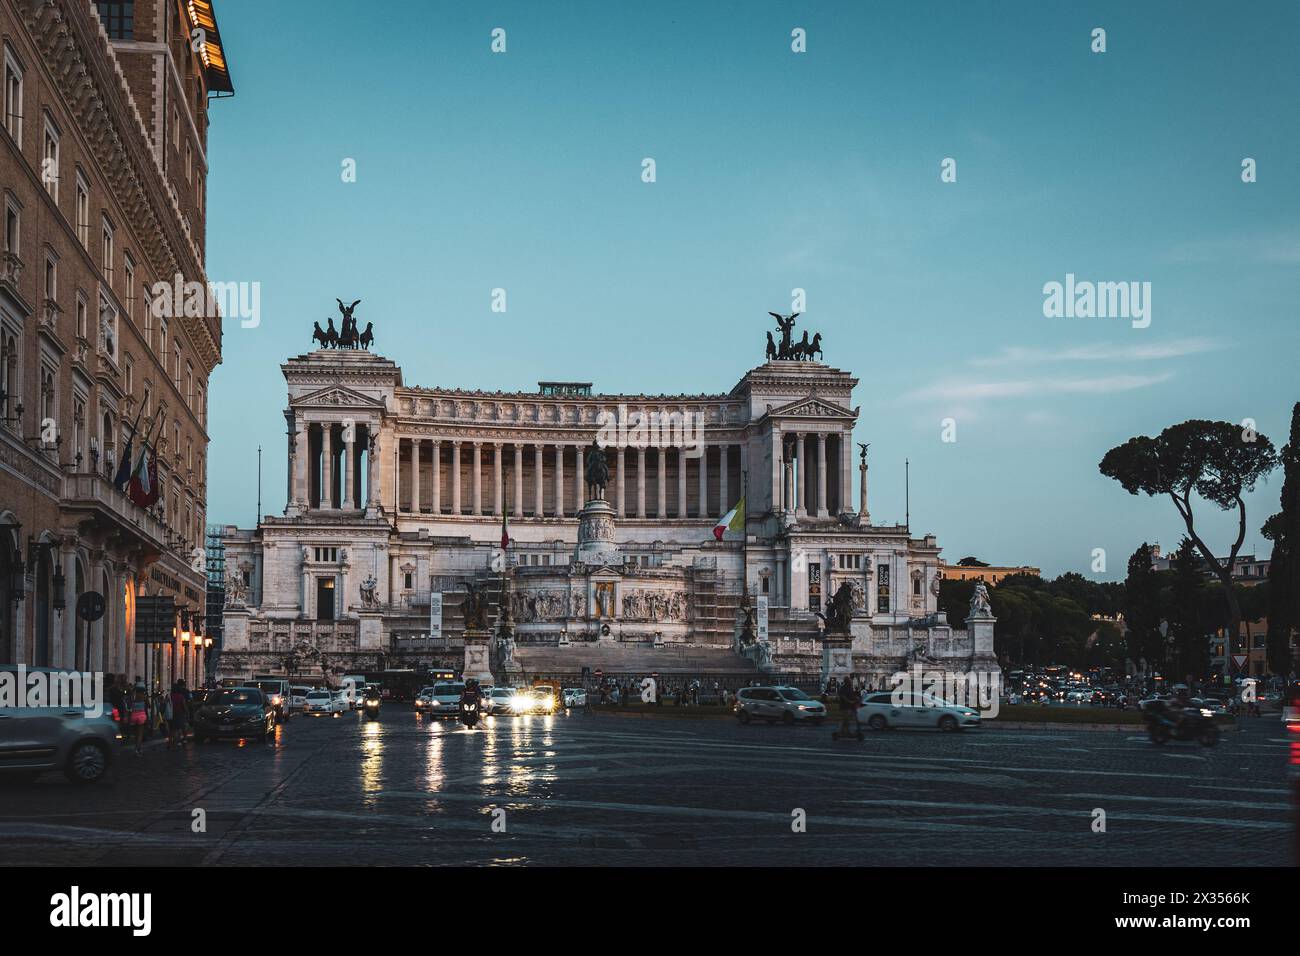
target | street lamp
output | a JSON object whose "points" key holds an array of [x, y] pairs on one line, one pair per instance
{"points": [[57, 601]]}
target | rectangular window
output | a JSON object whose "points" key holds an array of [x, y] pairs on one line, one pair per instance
{"points": [[50, 159], [13, 227], [128, 277], [81, 316], [162, 343], [51, 278], [13, 96], [882, 588], [107, 252], [83, 210], [118, 19], [130, 377]]}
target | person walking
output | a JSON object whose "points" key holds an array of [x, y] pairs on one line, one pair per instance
{"points": [[139, 716], [180, 714], [849, 700]]}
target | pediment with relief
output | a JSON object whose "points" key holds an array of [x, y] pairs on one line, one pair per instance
{"points": [[813, 407], [337, 396]]}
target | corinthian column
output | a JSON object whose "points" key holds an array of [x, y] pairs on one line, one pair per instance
{"points": [[559, 481], [415, 475], [703, 461], [499, 508], [455, 477], [640, 482], [680, 455], [435, 476], [622, 485], [821, 475], [539, 500], [477, 487], [519, 480]]}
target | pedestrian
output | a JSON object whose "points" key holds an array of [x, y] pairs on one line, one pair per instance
{"points": [[180, 714], [850, 700], [139, 717]]}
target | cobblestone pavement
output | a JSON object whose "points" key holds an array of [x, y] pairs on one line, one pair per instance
{"points": [[612, 790]]}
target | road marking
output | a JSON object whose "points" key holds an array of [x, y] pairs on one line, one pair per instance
{"points": [[1012, 810], [1180, 800]]}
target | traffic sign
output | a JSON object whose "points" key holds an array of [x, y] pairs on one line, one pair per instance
{"points": [[90, 606], [155, 619]]}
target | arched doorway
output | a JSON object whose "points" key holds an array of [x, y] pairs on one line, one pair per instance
{"points": [[42, 613], [8, 606]]}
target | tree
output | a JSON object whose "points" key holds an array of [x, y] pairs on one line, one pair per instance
{"points": [[954, 598], [969, 562], [1142, 609], [1283, 529], [1219, 461], [1184, 602]]}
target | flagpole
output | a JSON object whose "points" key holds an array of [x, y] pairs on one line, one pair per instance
{"points": [[258, 517]]}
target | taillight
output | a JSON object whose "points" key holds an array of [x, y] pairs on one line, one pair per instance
{"points": [[117, 717]]}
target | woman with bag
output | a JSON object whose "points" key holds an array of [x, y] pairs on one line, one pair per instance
{"points": [[139, 716]]}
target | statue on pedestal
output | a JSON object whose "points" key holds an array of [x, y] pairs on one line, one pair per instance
{"points": [[597, 472]]}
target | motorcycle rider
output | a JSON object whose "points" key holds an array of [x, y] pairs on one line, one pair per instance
{"points": [[472, 694]]}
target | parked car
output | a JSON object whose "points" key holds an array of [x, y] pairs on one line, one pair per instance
{"points": [[882, 712], [36, 739], [235, 712], [322, 701], [780, 703]]}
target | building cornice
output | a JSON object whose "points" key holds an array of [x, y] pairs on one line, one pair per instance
{"points": [[96, 93]]}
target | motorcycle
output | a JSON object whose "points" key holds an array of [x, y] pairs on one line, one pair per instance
{"points": [[371, 708], [469, 710], [1195, 724]]}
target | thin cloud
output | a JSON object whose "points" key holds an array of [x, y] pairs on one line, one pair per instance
{"points": [[1102, 352], [1031, 388]]}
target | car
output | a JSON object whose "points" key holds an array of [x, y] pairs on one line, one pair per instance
{"points": [[236, 713], [882, 712], [422, 699], [278, 693], [322, 701], [777, 703], [573, 697], [298, 697], [497, 700], [344, 696], [444, 699], [36, 739]]}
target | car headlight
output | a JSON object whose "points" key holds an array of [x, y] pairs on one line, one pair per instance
{"points": [[1206, 712]]}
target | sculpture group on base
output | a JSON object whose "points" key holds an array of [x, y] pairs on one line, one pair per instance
{"points": [[789, 350], [349, 337]]}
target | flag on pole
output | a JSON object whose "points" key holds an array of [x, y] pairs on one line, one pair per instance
{"points": [[505, 531], [123, 474], [139, 489], [733, 520]]}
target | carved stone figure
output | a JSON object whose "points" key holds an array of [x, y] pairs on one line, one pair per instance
{"points": [[368, 588], [474, 607], [979, 602], [236, 589]]}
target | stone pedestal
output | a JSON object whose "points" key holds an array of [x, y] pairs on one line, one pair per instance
{"points": [[979, 627], [837, 657], [370, 631], [596, 546], [477, 656]]}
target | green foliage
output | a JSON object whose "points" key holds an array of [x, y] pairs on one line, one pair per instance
{"points": [[1283, 529]]}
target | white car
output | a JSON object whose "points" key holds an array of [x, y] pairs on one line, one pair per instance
{"points": [[880, 712], [496, 700], [322, 701], [574, 697], [444, 701], [298, 697]]}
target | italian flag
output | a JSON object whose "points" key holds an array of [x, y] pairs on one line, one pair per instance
{"points": [[733, 520], [505, 531]]}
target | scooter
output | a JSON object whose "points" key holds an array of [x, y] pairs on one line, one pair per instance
{"points": [[371, 708], [469, 713], [1195, 724]]}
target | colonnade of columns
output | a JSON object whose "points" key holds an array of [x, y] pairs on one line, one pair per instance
{"points": [[332, 466], [811, 472], [547, 479]]}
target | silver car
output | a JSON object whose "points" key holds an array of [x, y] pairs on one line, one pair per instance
{"points": [[786, 704], [882, 711], [36, 739]]}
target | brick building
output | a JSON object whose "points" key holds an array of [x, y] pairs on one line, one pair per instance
{"points": [[103, 165]]}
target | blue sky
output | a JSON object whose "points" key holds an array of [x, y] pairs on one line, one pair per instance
{"points": [[777, 171]]}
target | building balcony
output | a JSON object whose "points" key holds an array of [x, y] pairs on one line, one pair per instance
{"points": [[94, 497]]}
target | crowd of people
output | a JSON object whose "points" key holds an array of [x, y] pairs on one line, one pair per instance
{"points": [[144, 715]]}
